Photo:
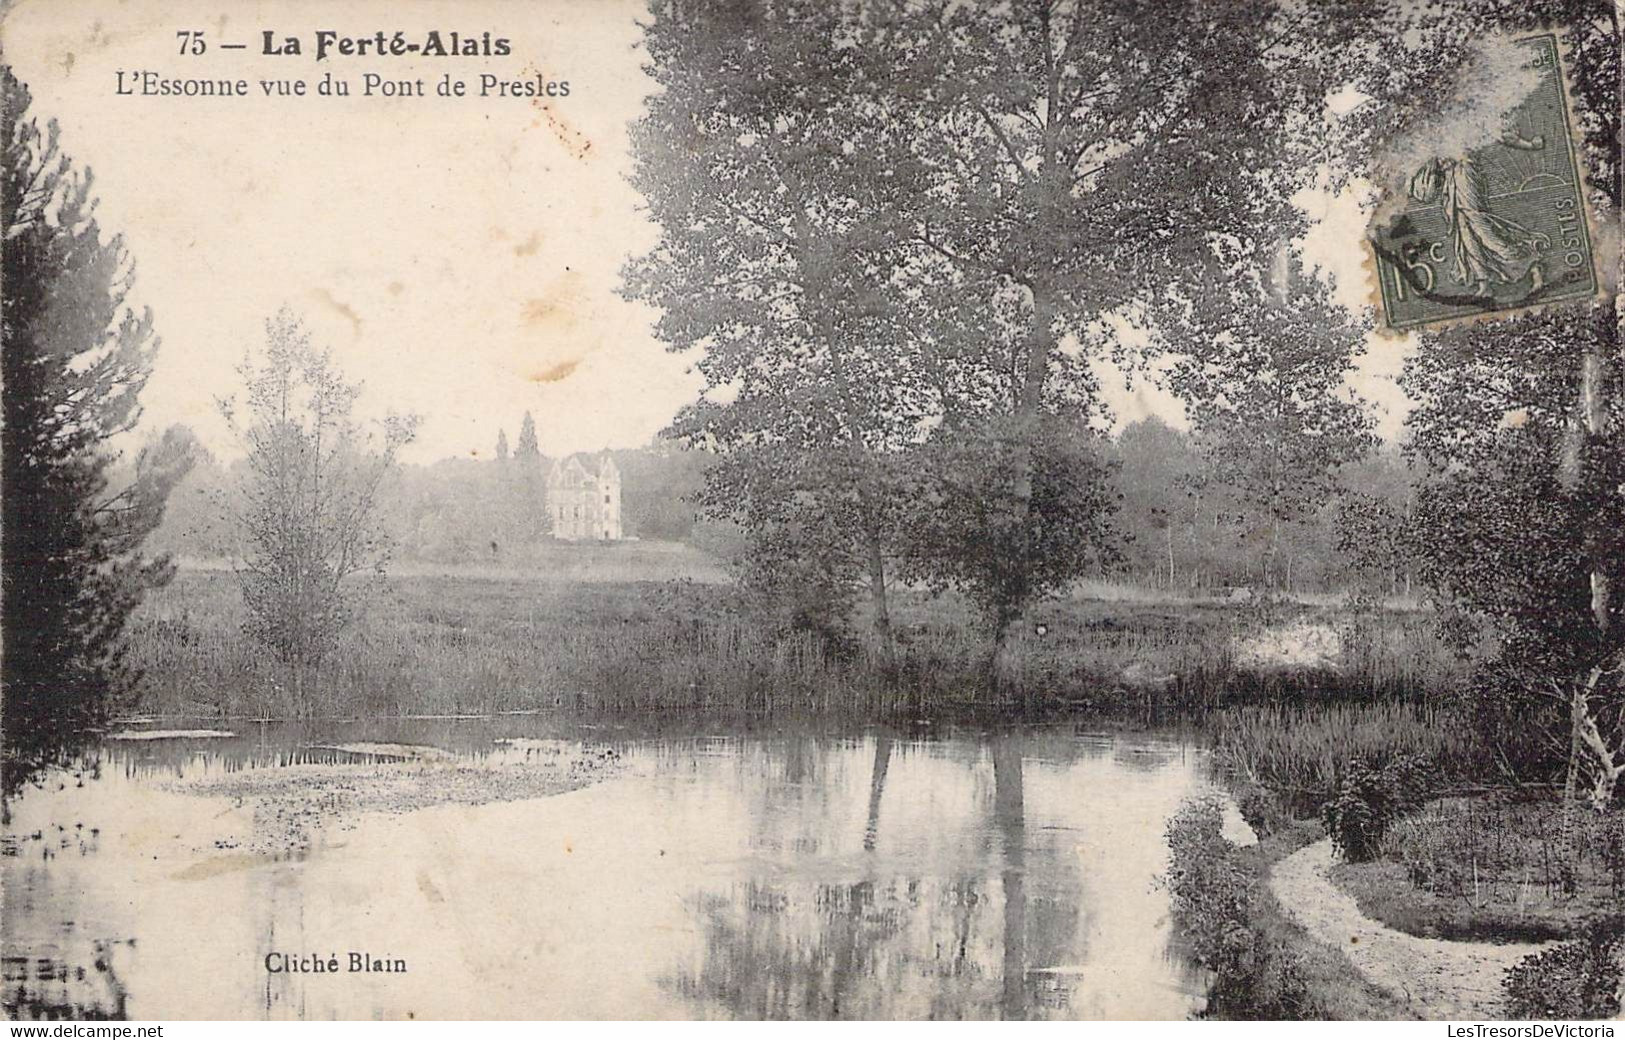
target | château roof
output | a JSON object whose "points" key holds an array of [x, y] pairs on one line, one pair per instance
{"points": [[570, 471]]}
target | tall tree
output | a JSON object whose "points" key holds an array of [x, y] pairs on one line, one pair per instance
{"points": [[776, 258], [307, 506], [502, 445], [1054, 146], [527, 509], [1521, 511], [1520, 418], [75, 360], [1264, 381], [1160, 479], [527, 450], [1376, 522]]}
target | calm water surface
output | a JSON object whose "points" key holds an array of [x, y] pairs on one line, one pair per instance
{"points": [[960, 874]]}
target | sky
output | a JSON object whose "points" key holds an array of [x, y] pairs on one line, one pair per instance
{"points": [[459, 255]]}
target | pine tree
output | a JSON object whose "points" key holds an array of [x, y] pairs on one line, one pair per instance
{"points": [[75, 361], [502, 445], [526, 506], [528, 450]]}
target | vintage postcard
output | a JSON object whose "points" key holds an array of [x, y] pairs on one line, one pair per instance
{"points": [[889, 510]]}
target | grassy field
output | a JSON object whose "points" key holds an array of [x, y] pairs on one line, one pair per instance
{"points": [[484, 640], [569, 562]]}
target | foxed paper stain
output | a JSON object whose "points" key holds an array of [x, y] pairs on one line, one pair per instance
{"points": [[339, 307], [556, 373]]}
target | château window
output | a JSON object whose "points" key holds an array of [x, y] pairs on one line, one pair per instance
{"points": [[606, 500]]}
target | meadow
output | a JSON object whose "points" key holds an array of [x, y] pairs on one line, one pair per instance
{"points": [[483, 640]]}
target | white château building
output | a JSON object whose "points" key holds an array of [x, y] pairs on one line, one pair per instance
{"points": [[584, 506]]}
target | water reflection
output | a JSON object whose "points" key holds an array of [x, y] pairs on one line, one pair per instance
{"points": [[771, 875]]}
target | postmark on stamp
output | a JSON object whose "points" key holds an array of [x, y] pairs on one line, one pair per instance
{"points": [[1496, 227]]}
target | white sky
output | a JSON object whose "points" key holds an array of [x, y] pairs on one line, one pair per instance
{"points": [[461, 256]]}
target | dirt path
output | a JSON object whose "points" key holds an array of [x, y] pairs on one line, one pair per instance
{"points": [[1440, 979]]}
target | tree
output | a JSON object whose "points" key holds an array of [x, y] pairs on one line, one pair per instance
{"points": [[307, 505], [1520, 529], [659, 485], [1520, 419], [1521, 523], [775, 258], [528, 450], [969, 529], [1160, 480], [75, 360], [502, 446], [1053, 145], [1263, 378], [1376, 523], [525, 487]]}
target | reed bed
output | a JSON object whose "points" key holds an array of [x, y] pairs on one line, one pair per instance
{"points": [[439, 645], [1303, 752], [482, 644]]}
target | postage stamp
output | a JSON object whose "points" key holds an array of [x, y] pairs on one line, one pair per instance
{"points": [[1497, 227]]}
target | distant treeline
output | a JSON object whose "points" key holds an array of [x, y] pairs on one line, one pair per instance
{"points": [[1186, 521], [1181, 521], [456, 510]]}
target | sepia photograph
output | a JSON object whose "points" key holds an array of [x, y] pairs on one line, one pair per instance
{"points": [[812, 510]]}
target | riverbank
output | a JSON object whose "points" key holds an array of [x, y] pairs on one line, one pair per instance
{"points": [[1437, 979], [459, 643], [1264, 965], [1464, 907]]}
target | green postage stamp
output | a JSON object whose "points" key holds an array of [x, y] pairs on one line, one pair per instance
{"points": [[1498, 227]]}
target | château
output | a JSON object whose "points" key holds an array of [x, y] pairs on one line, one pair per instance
{"points": [[585, 506]]}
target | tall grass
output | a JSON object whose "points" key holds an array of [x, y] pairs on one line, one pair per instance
{"points": [[486, 643], [1304, 753], [1493, 868], [1498, 850], [469, 646]]}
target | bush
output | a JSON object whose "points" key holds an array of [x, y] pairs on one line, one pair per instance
{"points": [[1579, 979], [1367, 804], [1263, 810], [1214, 891]]}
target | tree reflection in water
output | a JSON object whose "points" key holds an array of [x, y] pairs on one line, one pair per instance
{"points": [[788, 874], [897, 940]]}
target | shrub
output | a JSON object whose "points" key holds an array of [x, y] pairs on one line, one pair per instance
{"points": [[1214, 891], [1368, 802], [1262, 809], [1579, 979]]}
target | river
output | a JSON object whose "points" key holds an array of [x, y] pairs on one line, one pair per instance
{"points": [[726, 873]]}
